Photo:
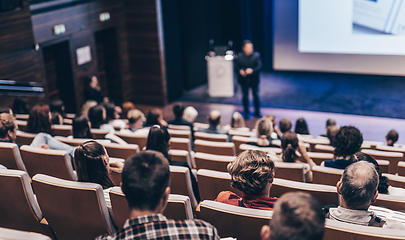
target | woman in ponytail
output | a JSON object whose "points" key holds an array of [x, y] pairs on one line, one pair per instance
{"points": [[264, 128], [290, 146]]}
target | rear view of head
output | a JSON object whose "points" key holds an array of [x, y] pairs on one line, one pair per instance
{"points": [[330, 122], [158, 140], [252, 172], [39, 119], [190, 114], [97, 116], [8, 127], [296, 216], [145, 179], [391, 137], [178, 110], [126, 107], [358, 185], [214, 118], [20, 106], [285, 125], [154, 117], [289, 144], [81, 128], [348, 141], [264, 128], [301, 126], [331, 132], [135, 116], [57, 106], [237, 120]]}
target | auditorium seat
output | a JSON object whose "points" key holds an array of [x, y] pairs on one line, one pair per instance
{"points": [[178, 207], [315, 141], [392, 157], [75, 210], [180, 183], [324, 149], [198, 125], [62, 130], [131, 138], [10, 156], [74, 142], [22, 125], [234, 221], [212, 162], [24, 138], [317, 157], [180, 133], [401, 168], [181, 156], [371, 144], [239, 140], [395, 181], [324, 193], [51, 162], [244, 147], [19, 207], [121, 151], [70, 115], [211, 137], [335, 230], [211, 183], [116, 176], [22, 116], [179, 127], [384, 166], [218, 148], [396, 203], [67, 121], [326, 175], [98, 133], [242, 133], [12, 234], [180, 144], [290, 171]]}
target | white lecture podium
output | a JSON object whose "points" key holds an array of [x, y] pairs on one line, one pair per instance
{"points": [[220, 76]]}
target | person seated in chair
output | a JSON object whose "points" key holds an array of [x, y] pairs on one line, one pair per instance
{"points": [[264, 129], [391, 137], [8, 128], [252, 173], [145, 183], [214, 119], [178, 110]]}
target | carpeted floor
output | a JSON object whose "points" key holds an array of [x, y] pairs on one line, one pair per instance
{"points": [[323, 92]]}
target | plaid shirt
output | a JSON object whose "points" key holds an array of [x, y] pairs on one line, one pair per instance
{"points": [[159, 227]]}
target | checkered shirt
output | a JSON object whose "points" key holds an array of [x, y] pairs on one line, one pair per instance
{"points": [[159, 227]]}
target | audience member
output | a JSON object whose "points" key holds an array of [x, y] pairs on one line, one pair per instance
{"points": [[347, 142], [331, 132], [391, 137], [57, 106], [358, 189], [178, 110], [81, 127], [92, 90], [329, 123], [276, 131], [6, 110], [126, 107], [86, 107], [301, 127], [285, 125], [145, 183], [39, 120], [252, 173], [20, 106], [93, 165], [97, 117], [214, 119], [190, 114], [296, 216], [159, 140], [113, 116], [136, 119], [237, 121], [155, 117], [56, 118], [8, 128], [264, 129]]}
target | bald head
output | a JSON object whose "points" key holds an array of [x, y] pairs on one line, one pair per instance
{"points": [[358, 185], [214, 118]]}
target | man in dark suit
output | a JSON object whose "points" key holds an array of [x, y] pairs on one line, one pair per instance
{"points": [[178, 110], [248, 64]]}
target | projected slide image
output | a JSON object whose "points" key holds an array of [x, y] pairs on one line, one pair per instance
{"points": [[379, 16]]}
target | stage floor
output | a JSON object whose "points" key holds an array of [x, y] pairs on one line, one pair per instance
{"points": [[380, 96]]}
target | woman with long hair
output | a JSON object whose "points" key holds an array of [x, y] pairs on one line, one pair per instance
{"points": [[93, 165], [81, 128], [39, 120], [301, 127], [264, 129], [97, 116], [155, 117]]}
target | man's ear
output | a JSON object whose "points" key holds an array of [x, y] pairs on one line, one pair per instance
{"points": [[375, 197], [165, 198], [265, 232], [338, 185]]}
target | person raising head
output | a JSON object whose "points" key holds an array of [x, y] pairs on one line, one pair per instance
{"points": [[252, 173], [145, 183], [296, 216]]}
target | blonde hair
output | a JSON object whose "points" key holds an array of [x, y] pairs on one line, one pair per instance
{"points": [[264, 128], [86, 107], [251, 171], [7, 122], [237, 120], [134, 115]]}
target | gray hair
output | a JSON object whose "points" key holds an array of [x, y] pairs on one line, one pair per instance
{"points": [[359, 184]]}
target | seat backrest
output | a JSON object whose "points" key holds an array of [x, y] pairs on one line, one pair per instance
{"points": [[180, 156], [211, 137], [234, 221], [211, 183], [324, 149], [212, 161], [98, 133], [218, 148], [11, 234], [62, 130], [315, 141], [22, 124], [180, 144], [392, 157], [22, 117], [239, 140], [180, 133], [10, 156], [395, 181], [75, 210], [51, 162], [401, 168], [19, 207], [179, 127], [371, 145], [396, 203], [139, 140], [290, 171], [384, 166], [121, 151], [244, 132], [74, 142], [24, 138], [178, 207], [335, 230], [180, 183], [244, 147], [318, 157], [326, 175], [325, 194]]}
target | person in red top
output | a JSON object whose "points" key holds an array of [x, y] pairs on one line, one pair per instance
{"points": [[252, 173]]}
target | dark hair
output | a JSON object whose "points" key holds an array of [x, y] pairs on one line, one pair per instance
{"points": [[90, 165], [145, 177], [20, 106], [88, 80], [297, 216], [393, 136], [285, 125], [55, 118], [57, 106], [153, 117], [331, 132], [348, 141], [110, 111], [289, 143], [158, 140], [39, 120], [81, 128], [247, 41], [330, 122], [214, 122], [96, 116], [178, 110], [301, 126]]}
